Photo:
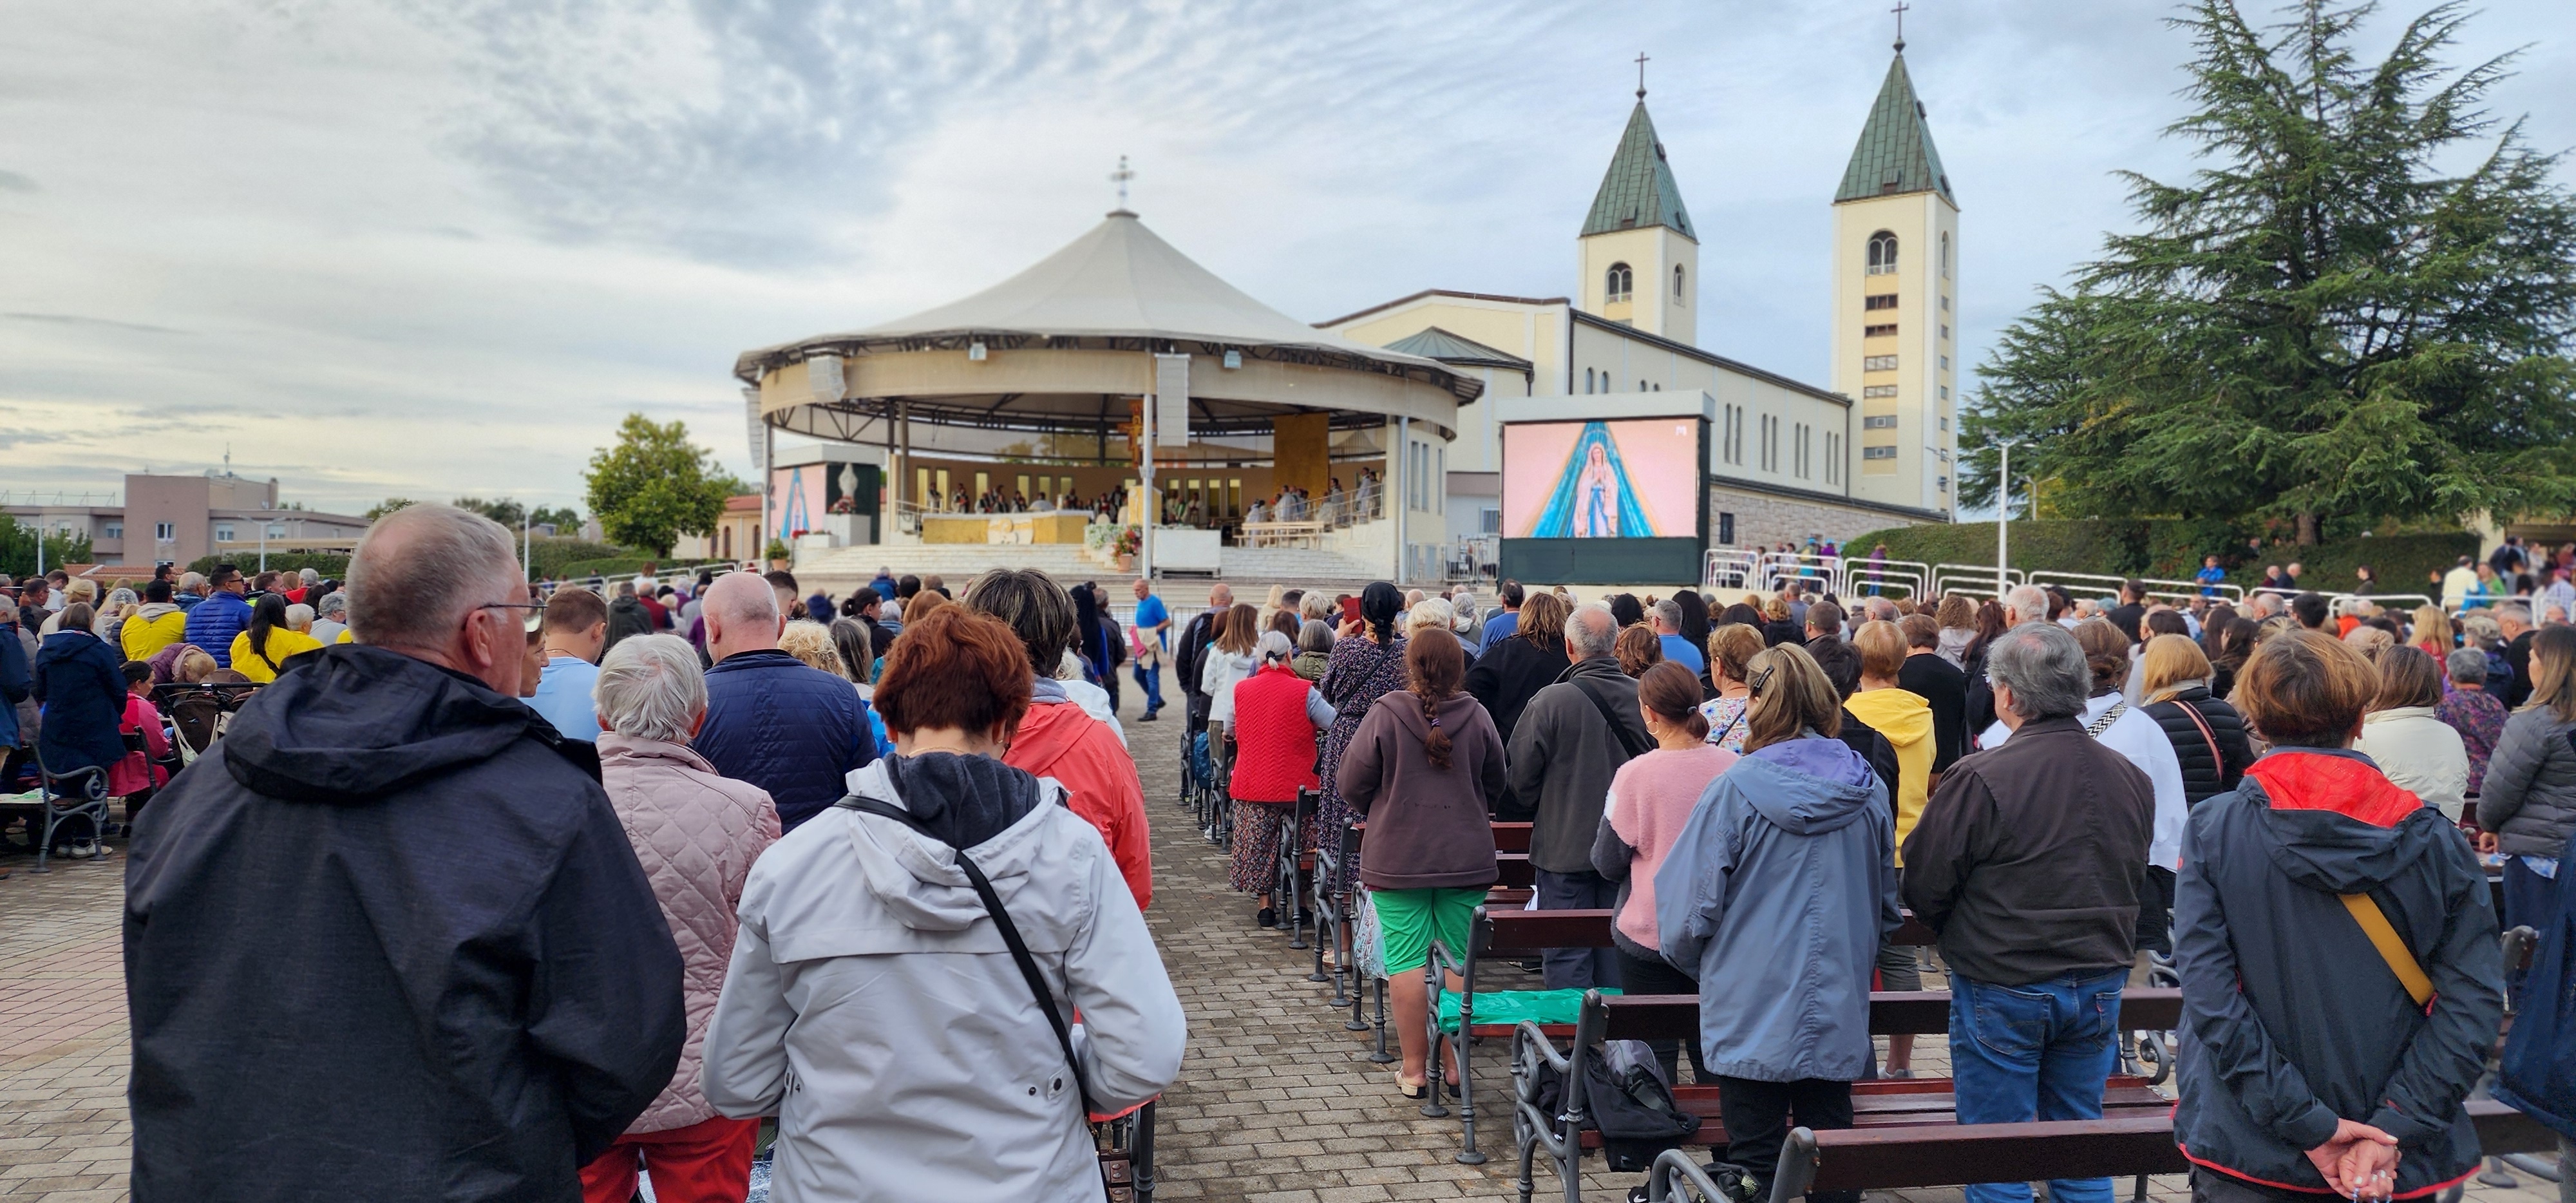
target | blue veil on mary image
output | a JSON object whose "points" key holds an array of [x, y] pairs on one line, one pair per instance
{"points": [[1592, 499]]}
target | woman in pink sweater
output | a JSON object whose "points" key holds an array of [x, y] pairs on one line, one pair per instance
{"points": [[1651, 797]]}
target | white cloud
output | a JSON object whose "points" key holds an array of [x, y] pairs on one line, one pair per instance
{"points": [[403, 246]]}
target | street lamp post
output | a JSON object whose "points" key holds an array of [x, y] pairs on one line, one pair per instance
{"points": [[2003, 521]]}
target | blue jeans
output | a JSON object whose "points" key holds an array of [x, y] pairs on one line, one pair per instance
{"points": [[2034, 1052], [1149, 677], [1577, 968]]}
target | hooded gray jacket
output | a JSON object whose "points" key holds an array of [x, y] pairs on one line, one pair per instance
{"points": [[1776, 897], [873, 1007]]}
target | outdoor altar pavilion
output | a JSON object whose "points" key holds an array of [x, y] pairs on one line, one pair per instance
{"points": [[1061, 363]]}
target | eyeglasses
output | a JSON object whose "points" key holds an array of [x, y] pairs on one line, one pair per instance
{"points": [[536, 611]]}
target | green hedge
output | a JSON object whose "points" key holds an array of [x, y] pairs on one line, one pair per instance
{"points": [[2172, 550], [613, 567], [330, 564]]}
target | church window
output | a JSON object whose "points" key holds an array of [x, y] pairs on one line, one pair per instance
{"points": [[1882, 331], [1888, 452], [1945, 256], [1945, 392], [1879, 422], [1878, 363], [1677, 284], [1884, 300], [1618, 284], [1942, 483], [1945, 363], [1945, 332], [1882, 253], [1587, 380]]}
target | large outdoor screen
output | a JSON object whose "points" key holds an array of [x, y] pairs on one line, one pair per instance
{"points": [[1636, 478]]}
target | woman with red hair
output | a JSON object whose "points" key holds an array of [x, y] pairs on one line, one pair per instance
{"points": [[881, 958]]}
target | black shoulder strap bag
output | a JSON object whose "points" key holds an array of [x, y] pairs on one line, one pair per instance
{"points": [[1010, 936], [1619, 733]]}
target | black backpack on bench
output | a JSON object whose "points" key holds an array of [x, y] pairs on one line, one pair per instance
{"points": [[1628, 1103]]}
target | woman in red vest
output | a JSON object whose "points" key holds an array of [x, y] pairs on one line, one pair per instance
{"points": [[1276, 716]]}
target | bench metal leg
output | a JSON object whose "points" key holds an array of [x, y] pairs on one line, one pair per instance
{"points": [[1796, 1170], [1140, 1155], [1377, 985]]}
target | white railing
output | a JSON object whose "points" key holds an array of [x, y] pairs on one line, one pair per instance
{"points": [[2185, 590], [1974, 580]]}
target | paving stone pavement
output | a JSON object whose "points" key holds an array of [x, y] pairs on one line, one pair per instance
{"points": [[1276, 1104]]}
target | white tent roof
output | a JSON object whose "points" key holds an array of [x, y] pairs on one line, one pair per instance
{"points": [[1117, 281]]}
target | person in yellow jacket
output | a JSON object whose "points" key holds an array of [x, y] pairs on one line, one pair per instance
{"points": [[261, 651], [156, 626], [1905, 718]]}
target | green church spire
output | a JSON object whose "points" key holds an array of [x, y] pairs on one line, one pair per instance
{"points": [[1638, 190], [1895, 154]]}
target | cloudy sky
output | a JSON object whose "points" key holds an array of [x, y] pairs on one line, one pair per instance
{"points": [[435, 247]]}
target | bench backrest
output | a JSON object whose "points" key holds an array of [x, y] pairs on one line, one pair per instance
{"points": [[1891, 1012], [1512, 932]]}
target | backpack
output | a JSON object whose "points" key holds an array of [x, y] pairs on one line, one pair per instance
{"points": [[1626, 1100]]}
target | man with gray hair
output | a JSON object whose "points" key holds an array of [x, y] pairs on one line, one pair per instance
{"points": [[2025, 603], [2513, 622], [1570, 740], [1677, 646], [394, 902], [2029, 862], [795, 731]]}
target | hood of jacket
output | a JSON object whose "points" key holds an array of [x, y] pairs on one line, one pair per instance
{"points": [[2336, 823], [1056, 721], [156, 611], [1809, 785], [356, 722], [1903, 716], [975, 803]]}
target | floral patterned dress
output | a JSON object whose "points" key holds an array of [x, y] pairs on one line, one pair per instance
{"points": [[1357, 674]]}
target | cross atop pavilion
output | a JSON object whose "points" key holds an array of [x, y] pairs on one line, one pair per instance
{"points": [[1120, 178], [1641, 75]]}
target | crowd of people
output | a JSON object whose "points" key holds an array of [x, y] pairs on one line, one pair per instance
{"points": [[547, 888]]}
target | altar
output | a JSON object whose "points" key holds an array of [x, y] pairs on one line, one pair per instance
{"points": [[1004, 528]]}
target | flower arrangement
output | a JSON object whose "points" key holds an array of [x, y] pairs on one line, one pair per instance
{"points": [[846, 505], [1129, 538]]}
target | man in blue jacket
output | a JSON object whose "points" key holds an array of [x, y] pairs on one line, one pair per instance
{"points": [[792, 730], [212, 623]]}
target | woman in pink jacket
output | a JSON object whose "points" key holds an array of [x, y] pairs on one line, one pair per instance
{"points": [[1651, 798], [696, 834]]}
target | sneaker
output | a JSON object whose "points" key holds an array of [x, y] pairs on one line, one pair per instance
{"points": [[1267, 918], [1146, 717]]}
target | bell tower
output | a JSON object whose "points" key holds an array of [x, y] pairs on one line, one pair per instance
{"points": [[1640, 254], [1896, 249]]}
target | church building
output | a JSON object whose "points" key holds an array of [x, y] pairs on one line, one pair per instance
{"points": [[1786, 459]]}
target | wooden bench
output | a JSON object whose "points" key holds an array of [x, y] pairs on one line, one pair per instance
{"points": [[1895, 1157], [1502, 930], [1901, 1105]]}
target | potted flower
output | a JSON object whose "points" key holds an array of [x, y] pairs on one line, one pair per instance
{"points": [[777, 554], [1124, 547]]}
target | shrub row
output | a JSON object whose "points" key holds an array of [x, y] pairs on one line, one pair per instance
{"points": [[2173, 550]]}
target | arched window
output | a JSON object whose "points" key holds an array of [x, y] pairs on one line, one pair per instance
{"points": [[1587, 380], [1945, 256], [1618, 284], [1882, 253], [1677, 284]]}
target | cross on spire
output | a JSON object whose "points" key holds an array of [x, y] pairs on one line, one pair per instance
{"points": [[1900, 10], [1120, 178], [1641, 75]]}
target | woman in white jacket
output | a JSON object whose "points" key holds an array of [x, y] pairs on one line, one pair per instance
{"points": [[1234, 656], [875, 1007], [2403, 733]]}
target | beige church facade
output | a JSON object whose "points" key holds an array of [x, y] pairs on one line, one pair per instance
{"points": [[1786, 459]]}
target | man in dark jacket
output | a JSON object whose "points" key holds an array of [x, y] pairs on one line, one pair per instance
{"points": [[214, 621], [1195, 638], [2028, 862], [1940, 684], [2311, 1059], [392, 944], [2515, 621], [792, 730], [1570, 741]]}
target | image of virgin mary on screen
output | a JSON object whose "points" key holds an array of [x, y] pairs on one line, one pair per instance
{"points": [[1593, 498]]}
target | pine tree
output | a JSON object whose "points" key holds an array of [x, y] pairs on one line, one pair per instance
{"points": [[2323, 324]]}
